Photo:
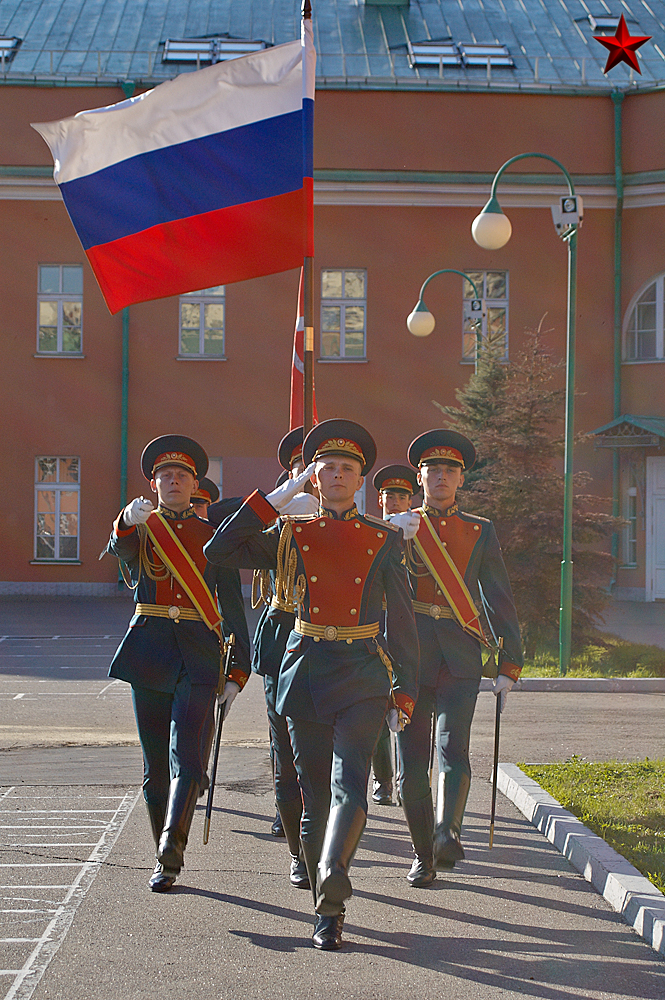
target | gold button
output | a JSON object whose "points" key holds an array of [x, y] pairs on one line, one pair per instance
{"points": [[298, 528], [349, 641], [322, 524], [358, 580], [476, 527], [179, 596], [445, 545], [353, 611], [315, 611], [305, 548], [379, 534], [357, 524], [314, 579], [370, 552], [443, 522], [316, 638], [178, 526]]}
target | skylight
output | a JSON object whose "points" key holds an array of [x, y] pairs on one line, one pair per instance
{"points": [[433, 54], [603, 22], [8, 48], [207, 50], [486, 55]]}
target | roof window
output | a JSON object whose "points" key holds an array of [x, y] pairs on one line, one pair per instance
{"points": [[433, 54], [8, 49], [486, 55], [603, 22], [208, 50]]}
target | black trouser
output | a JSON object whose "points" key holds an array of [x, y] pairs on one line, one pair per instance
{"points": [[454, 702], [382, 764], [332, 759], [287, 788], [174, 733]]}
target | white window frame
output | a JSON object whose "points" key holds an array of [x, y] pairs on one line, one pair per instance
{"points": [[488, 304], [202, 298], [343, 302], [60, 298], [216, 472], [659, 282], [58, 488]]}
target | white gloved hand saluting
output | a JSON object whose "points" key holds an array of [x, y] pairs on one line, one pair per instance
{"points": [[138, 511], [281, 496], [301, 503], [502, 685], [228, 696], [408, 521]]}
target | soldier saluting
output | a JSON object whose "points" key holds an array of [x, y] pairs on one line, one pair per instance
{"points": [[171, 652], [339, 675], [454, 561]]}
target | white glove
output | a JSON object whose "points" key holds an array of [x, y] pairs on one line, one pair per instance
{"points": [[408, 521], [502, 685], [394, 722], [301, 503], [281, 496], [138, 511], [228, 696]]}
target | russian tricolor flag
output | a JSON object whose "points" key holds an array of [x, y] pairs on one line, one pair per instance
{"points": [[203, 181]]}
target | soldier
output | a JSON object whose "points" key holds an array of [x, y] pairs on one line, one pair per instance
{"points": [[272, 631], [454, 559], [206, 493], [339, 674], [171, 652], [395, 485]]}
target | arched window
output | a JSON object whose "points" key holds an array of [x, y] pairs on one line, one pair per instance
{"points": [[643, 329]]}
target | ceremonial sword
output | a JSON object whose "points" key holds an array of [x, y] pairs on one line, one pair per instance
{"points": [[228, 651], [497, 724]]}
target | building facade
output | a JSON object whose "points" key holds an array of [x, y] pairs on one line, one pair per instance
{"points": [[417, 106]]}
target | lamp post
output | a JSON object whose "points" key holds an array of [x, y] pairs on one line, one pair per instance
{"points": [[491, 230], [421, 322]]}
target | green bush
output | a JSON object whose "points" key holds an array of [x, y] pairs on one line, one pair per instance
{"points": [[608, 656]]}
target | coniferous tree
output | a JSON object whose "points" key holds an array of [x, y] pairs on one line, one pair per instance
{"points": [[513, 413]]}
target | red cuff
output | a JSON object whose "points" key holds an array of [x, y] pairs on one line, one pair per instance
{"points": [[263, 510], [405, 703], [121, 532], [235, 674], [510, 670]]}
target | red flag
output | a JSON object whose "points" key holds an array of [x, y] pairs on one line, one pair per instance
{"points": [[297, 417]]}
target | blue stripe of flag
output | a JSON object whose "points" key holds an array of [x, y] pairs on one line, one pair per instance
{"points": [[234, 167]]}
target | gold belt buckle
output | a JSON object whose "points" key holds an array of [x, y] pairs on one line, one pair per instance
{"points": [[330, 632], [174, 612], [435, 611]]}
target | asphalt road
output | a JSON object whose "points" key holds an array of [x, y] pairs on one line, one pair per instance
{"points": [[76, 918]]}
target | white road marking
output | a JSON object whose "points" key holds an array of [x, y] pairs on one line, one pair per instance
{"points": [[59, 917], [17, 696], [116, 680]]}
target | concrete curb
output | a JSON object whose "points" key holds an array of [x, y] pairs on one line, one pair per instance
{"points": [[605, 685], [626, 890]]}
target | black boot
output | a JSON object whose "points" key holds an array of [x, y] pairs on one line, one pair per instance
{"points": [[291, 812], [277, 829], [183, 792], [311, 853], [345, 826], [160, 880], [420, 821], [382, 792], [450, 805], [327, 934], [382, 766]]}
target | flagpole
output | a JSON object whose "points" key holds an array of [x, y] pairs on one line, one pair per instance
{"points": [[308, 263]]}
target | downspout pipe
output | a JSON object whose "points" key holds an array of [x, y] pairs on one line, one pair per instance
{"points": [[617, 100]]}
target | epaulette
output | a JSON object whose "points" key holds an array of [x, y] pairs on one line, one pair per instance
{"points": [[474, 517], [298, 517], [379, 520]]}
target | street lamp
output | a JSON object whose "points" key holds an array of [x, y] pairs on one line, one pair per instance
{"points": [[421, 322], [491, 230]]}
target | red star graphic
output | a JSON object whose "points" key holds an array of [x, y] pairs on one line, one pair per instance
{"points": [[622, 46]]}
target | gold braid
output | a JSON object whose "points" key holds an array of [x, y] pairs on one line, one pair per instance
{"points": [[261, 588], [289, 591], [154, 571]]}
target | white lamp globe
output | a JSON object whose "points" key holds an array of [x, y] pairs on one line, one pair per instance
{"points": [[491, 229], [420, 322]]}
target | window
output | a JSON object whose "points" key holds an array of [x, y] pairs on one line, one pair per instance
{"points": [[343, 313], [207, 50], [643, 332], [216, 472], [59, 309], [57, 490], [202, 324], [630, 531], [493, 288]]}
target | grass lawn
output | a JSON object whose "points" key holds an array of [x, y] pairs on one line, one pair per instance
{"points": [[623, 802], [610, 657]]}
